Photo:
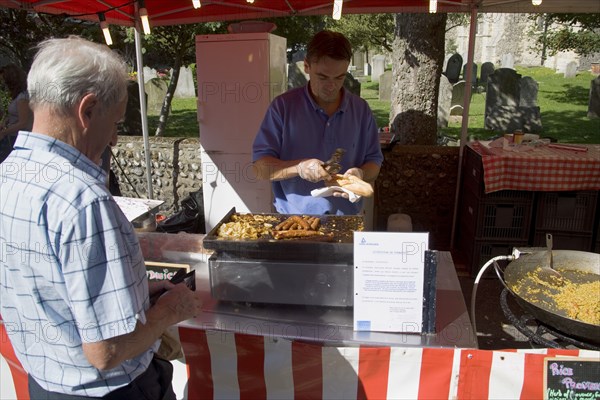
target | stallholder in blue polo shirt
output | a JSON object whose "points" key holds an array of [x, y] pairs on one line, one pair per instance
{"points": [[304, 126]]}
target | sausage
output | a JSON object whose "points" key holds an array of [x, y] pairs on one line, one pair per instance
{"points": [[288, 224], [303, 235], [280, 225], [314, 223], [301, 222]]}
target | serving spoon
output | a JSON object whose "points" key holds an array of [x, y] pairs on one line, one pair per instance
{"points": [[547, 272]]}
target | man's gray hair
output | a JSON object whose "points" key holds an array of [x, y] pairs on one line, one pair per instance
{"points": [[65, 70]]}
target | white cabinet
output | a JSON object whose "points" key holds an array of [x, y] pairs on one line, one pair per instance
{"points": [[238, 77]]}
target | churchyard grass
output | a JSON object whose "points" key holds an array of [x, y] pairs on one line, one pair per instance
{"points": [[563, 104], [182, 121]]}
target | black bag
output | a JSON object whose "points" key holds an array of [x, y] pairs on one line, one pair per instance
{"points": [[190, 219]]}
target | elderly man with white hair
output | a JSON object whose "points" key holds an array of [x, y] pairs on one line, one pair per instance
{"points": [[74, 295]]}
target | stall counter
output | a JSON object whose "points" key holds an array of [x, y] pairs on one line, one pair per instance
{"points": [[241, 351]]}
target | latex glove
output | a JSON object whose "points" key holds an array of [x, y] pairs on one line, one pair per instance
{"points": [[312, 170]]}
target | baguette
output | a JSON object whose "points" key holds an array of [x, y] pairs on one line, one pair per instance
{"points": [[351, 183]]}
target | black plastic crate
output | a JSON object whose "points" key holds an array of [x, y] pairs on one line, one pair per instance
{"points": [[472, 171], [564, 240], [495, 220], [566, 211], [479, 252]]}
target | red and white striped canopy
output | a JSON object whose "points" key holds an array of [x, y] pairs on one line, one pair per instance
{"points": [[173, 12]]}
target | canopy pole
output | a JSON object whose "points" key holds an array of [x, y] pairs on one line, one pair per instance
{"points": [[143, 111], [465, 116]]}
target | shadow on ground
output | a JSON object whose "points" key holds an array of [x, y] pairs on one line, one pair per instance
{"points": [[494, 331]]}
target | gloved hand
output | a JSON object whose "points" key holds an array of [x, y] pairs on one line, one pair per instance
{"points": [[312, 170], [356, 172]]}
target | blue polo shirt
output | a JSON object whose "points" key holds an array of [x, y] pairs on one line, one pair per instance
{"points": [[295, 127]]}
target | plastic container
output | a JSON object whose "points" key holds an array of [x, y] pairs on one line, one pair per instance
{"points": [[496, 219], [566, 211]]}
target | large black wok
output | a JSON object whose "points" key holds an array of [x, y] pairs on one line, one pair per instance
{"points": [[542, 305]]}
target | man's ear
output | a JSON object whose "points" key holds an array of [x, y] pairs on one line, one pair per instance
{"points": [[306, 66], [88, 105]]}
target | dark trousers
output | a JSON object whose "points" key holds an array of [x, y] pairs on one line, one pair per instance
{"points": [[153, 384]]}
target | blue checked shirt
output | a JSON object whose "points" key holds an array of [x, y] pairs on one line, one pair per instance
{"points": [[71, 269]]}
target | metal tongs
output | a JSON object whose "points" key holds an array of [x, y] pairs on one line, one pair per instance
{"points": [[333, 165]]}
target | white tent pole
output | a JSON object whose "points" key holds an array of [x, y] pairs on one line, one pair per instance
{"points": [[143, 112], [465, 115]]}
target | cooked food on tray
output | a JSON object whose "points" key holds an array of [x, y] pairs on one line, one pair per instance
{"points": [[247, 227], [296, 222], [576, 295]]}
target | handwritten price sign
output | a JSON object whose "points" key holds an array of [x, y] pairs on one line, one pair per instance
{"points": [[571, 378]]}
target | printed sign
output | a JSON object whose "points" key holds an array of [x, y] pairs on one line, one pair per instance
{"points": [[388, 281]]}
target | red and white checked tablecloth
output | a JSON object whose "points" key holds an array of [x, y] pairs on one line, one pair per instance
{"points": [[540, 169], [225, 365]]}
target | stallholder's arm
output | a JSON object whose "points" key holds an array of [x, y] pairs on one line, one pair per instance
{"points": [[274, 169]]}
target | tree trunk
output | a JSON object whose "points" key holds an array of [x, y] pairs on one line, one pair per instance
{"points": [[418, 54], [166, 106]]}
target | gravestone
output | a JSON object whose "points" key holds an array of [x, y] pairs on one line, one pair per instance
{"points": [[487, 68], [185, 85], [502, 101], [385, 86], [298, 56], [444, 102], [149, 73], [458, 98], [531, 119], [367, 69], [528, 90], [156, 90], [132, 123], [474, 74], [296, 75], [378, 67], [508, 61], [571, 70], [594, 102], [453, 68], [358, 59], [446, 59], [352, 84]]}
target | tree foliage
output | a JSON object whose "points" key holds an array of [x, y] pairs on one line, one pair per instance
{"points": [[298, 30], [579, 33], [367, 31], [22, 30]]}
